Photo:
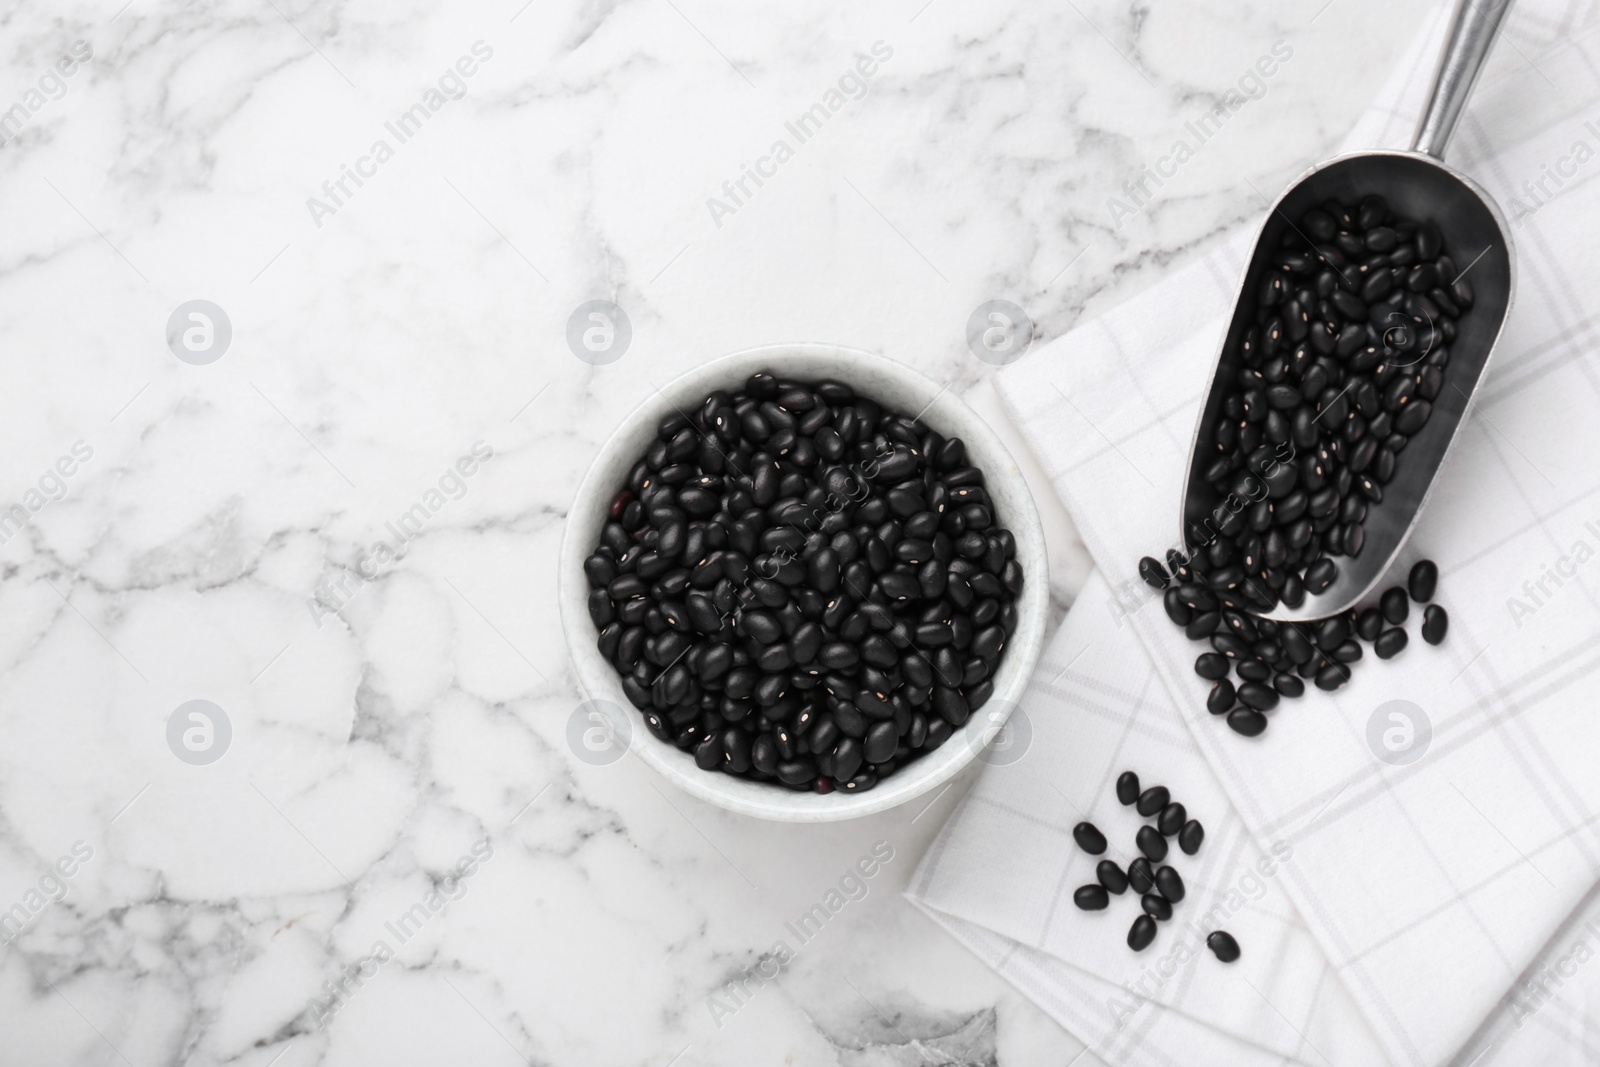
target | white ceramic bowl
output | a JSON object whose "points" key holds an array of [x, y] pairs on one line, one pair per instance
{"points": [[896, 386]]}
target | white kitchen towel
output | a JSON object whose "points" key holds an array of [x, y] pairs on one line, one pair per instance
{"points": [[1440, 813]]}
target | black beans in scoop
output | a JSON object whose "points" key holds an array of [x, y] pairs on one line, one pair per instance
{"points": [[1346, 349], [801, 586]]}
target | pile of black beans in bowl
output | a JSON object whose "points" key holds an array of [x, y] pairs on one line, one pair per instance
{"points": [[802, 586], [1347, 352]]}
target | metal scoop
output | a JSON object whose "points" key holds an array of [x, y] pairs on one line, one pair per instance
{"points": [[1419, 185]]}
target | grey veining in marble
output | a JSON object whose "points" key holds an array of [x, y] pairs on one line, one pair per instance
{"points": [[340, 529]]}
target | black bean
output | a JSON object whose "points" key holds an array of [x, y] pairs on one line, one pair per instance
{"points": [[1220, 700], [1223, 946], [1090, 897], [800, 771], [1153, 800], [1332, 676], [1151, 843], [1395, 605], [847, 757], [1169, 884], [1435, 624], [1141, 876], [1089, 838], [601, 609], [600, 569], [1141, 933], [1127, 787], [1212, 665], [1231, 647], [1288, 685], [1332, 632], [1111, 876], [1247, 721], [987, 642], [1295, 643], [839, 656], [806, 643], [1422, 581], [1190, 837], [1258, 696], [1157, 907], [1171, 819], [880, 743], [1153, 573], [1253, 670], [1412, 417], [1179, 612], [1390, 643], [1320, 575], [1369, 624]]}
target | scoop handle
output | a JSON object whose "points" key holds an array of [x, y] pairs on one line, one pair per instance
{"points": [[1473, 26]]}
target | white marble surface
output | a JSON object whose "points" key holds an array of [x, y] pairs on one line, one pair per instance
{"points": [[211, 508]]}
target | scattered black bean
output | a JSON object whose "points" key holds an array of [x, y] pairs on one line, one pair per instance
{"points": [[1141, 933], [1091, 897], [1221, 699], [1332, 677], [1422, 580], [1222, 946], [1395, 605], [1435, 623], [1127, 787], [1247, 721], [801, 586], [1141, 877], [1258, 696], [1369, 624], [1151, 570], [1169, 884], [1190, 837], [1157, 907], [1114, 878], [1088, 837], [1151, 843], [1390, 643], [1153, 800], [1171, 819]]}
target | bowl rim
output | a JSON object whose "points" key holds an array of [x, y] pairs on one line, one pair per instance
{"points": [[599, 682]]}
